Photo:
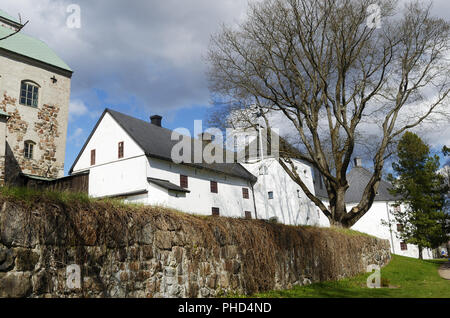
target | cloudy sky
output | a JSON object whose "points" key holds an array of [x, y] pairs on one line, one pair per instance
{"points": [[139, 57]]}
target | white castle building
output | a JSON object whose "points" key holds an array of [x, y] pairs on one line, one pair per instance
{"points": [[130, 158]]}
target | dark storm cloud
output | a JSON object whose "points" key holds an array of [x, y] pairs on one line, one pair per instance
{"points": [[148, 51]]}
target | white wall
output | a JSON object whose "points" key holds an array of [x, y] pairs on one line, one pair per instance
{"points": [[373, 223], [111, 176], [287, 205], [105, 141], [119, 177], [200, 200]]}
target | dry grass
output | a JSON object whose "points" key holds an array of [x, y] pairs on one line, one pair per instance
{"points": [[260, 245]]}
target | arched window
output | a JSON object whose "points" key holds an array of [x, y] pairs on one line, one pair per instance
{"points": [[29, 149], [29, 93]]}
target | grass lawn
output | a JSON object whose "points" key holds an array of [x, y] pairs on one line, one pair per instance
{"points": [[409, 277]]}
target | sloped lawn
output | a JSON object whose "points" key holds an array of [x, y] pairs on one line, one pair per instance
{"points": [[407, 277]]}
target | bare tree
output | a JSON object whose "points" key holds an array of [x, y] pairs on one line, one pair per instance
{"points": [[329, 71]]}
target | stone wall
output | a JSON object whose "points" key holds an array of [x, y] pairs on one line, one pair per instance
{"points": [[44, 125], [152, 252]]}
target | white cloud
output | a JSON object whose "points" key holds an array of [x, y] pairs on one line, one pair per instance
{"points": [[76, 138], [77, 132], [77, 108]]}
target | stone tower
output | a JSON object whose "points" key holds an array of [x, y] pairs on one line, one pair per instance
{"points": [[34, 106]]}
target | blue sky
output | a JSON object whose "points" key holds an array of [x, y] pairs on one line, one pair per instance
{"points": [[139, 57], [80, 126]]}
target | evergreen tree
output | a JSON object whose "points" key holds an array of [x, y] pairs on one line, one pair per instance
{"points": [[421, 191]]}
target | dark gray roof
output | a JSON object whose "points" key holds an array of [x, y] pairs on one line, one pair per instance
{"points": [[156, 142], [358, 178], [284, 146], [166, 184]]}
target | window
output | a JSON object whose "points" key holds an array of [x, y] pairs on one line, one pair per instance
{"points": [[214, 187], [29, 93], [245, 193], [92, 157], [248, 214], [120, 150], [399, 227], [263, 170], [397, 209], [403, 246], [215, 211], [183, 181], [270, 195], [28, 149]]}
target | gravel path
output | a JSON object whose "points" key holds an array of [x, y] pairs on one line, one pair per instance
{"points": [[444, 271]]}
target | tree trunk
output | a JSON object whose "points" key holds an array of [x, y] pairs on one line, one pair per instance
{"points": [[420, 252], [340, 209]]}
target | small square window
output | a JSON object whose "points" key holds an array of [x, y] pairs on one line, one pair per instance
{"points": [[248, 214], [245, 194], [183, 181], [215, 211], [403, 246], [92, 157], [399, 227], [213, 186], [263, 170], [270, 195], [120, 150]]}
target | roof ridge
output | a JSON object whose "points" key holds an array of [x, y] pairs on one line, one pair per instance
{"points": [[7, 16], [157, 127], [32, 48], [145, 135]]}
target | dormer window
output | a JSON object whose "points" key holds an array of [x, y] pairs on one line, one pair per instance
{"points": [[29, 93], [28, 149]]}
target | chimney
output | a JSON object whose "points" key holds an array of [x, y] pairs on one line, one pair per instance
{"points": [[358, 162], [156, 120]]}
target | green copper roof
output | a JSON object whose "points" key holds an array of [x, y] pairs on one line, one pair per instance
{"points": [[7, 16], [23, 44]]}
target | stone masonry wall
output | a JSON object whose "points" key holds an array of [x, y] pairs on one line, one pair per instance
{"points": [[152, 252], [45, 125]]}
